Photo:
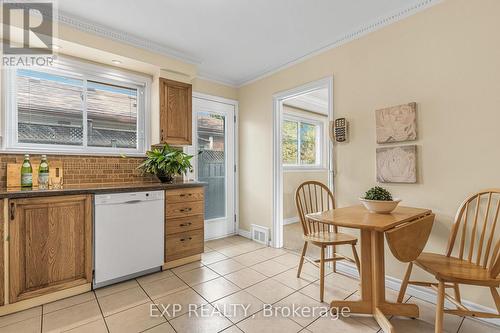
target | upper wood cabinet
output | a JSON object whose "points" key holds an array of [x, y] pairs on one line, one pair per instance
{"points": [[50, 244], [175, 112]]}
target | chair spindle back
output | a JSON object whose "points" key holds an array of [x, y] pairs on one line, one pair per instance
{"points": [[313, 197], [476, 228]]}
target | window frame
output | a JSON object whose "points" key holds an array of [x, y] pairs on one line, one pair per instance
{"points": [[320, 163], [81, 70]]}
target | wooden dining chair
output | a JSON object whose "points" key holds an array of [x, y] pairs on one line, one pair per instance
{"points": [[473, 260], [314, 197]]}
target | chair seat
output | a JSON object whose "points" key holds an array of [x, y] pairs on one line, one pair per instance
{"points": [[455, 270], [330, 238]]}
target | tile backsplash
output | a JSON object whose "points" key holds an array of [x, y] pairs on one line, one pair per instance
{"points": [[86, 169]]}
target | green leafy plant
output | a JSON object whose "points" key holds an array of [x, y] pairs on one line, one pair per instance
{"points": [[378, 193], [166, 162]]}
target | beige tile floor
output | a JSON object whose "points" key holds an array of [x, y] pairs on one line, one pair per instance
{"points": [[233, 270]]}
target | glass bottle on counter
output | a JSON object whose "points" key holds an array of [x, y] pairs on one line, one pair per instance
{"points": [[26, 172], [43, 174]]}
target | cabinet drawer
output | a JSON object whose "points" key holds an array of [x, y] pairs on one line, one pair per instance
{"points": [[183, 224], [186, 194], [183, 244], [183, 209]]}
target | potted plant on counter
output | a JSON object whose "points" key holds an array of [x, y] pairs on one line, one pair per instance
{"points": [[379, 200], [166, 162]]}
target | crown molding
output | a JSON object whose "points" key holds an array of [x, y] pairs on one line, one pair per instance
{"points": [[120, 36], [348, 37], [123, 37], [216, 79]]}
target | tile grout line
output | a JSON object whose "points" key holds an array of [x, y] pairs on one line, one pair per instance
{"points": [[117, 312], [115, 292], [272, 277], [322, 314], [211, 303], [153, 302], [190, 287], [300, 290], [294, 291], [102, 313], [240, 289]]}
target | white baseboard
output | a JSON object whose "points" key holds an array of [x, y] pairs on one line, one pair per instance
{"points": [[426, 294], [244, 233], [291, 220]]}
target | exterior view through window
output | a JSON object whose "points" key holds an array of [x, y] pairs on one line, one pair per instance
{"points": [[212, 161], [300, 143]]}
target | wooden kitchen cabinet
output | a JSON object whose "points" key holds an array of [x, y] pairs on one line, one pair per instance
{"points": [[184, 225], [50, 245], [175, 112]]}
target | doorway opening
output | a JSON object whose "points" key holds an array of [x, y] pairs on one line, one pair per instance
{"points": [[302, 152]]}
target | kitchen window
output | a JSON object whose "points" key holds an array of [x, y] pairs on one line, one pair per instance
{"points": [[301, 143], [76, 107]]}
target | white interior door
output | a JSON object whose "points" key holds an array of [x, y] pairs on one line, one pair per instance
{"points": [[214, 163]]}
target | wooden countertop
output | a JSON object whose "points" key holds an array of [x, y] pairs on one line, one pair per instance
{"points": [[12, 193]]}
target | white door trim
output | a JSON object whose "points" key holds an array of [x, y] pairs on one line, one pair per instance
{"points": [[278, 98], [235, 104]]}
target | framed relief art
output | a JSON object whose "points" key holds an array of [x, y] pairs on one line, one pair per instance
{"points": [[397, 164], [397, 123]]}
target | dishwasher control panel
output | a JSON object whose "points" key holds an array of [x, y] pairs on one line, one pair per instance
{"points": [[131, 197]]}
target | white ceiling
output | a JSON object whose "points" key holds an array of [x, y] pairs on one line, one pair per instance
{"points": [[237, 41]]}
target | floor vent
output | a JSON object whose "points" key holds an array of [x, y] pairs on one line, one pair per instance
{"points": [[260, 234]]}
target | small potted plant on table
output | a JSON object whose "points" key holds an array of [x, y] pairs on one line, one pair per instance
{"points": [[379, 200], [166, 163]]}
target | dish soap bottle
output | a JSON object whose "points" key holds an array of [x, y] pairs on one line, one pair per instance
{"points": [[26, 172], [43, 174]]}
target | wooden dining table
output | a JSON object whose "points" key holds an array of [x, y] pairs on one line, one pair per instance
{"points": [[373, 227]]}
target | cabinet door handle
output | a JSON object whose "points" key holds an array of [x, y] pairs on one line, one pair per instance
{"points": [[184, 194], [12, 211], [184, 210], [186, 239], [161, 139], [185, 224]]}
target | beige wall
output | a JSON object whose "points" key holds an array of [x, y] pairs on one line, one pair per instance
{"points": [[291, 181], [446, 59]]}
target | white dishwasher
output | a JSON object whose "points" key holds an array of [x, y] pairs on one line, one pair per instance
{"points": [[129, 235]]}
